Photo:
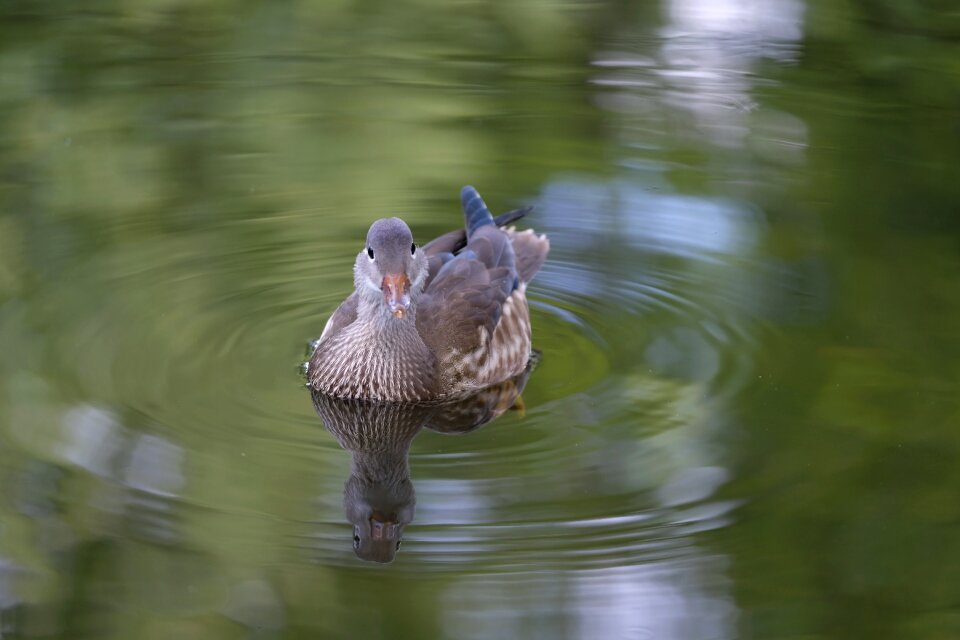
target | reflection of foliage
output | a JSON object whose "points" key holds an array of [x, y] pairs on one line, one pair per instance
{"points": [[853, 527], [180, 185], [199, 111]]}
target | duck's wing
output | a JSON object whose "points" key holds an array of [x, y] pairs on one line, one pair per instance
{"points": [[344, 315], [530, 250], [460, 314], [443, 249]]}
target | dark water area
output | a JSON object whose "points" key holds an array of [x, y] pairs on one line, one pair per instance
{"points": [[744, 422]]}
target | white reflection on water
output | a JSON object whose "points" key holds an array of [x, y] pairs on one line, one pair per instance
{"points": [[91, 438], [687, 226], [653, 601], [155, 467], [704, 74], [691, 485], [662, 600], [143, 473], [708, 53], [764, 20], [255, 604], [647, 218], [452, 502]]}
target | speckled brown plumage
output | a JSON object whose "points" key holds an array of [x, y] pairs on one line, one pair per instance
{"points": [[433, 322]]}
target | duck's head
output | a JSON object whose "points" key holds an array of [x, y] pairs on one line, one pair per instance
{"points": [[391, 268], [379, 512]]}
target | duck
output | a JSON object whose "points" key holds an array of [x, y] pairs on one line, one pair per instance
{"points": [[432, 322]]}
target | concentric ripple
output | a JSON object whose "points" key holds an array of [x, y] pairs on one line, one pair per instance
{"points": [[644, 332], [642, 329]]}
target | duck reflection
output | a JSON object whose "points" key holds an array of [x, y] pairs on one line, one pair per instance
{"points": [[378, 497]]}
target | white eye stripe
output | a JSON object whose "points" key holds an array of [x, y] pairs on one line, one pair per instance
{"points": [[420, 278]]}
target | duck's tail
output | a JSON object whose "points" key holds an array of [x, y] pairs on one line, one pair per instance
{"points": [[475, 212]]}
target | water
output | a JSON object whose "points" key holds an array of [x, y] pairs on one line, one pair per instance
{"points": [[744, 423]]}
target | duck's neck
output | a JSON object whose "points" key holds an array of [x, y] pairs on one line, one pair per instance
{"points": [[378, 320], [387, 467]]}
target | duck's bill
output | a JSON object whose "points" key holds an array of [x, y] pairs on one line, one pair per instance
{"points": [[384, 530], [396, 293]]}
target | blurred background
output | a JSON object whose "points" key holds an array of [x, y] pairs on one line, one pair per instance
{"points": [[746, 420]]}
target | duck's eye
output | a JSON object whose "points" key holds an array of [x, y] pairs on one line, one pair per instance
{"points": [[413, 249], [398, 544], [370, 252], [356, 542]]}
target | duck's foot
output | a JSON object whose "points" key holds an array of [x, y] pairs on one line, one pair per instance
{"points": [[520, 407]]}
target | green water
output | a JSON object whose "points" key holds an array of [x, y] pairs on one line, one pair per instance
{"points": [[745, 422]]}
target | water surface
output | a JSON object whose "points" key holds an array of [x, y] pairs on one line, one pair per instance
{"points": [[744, 423]]}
